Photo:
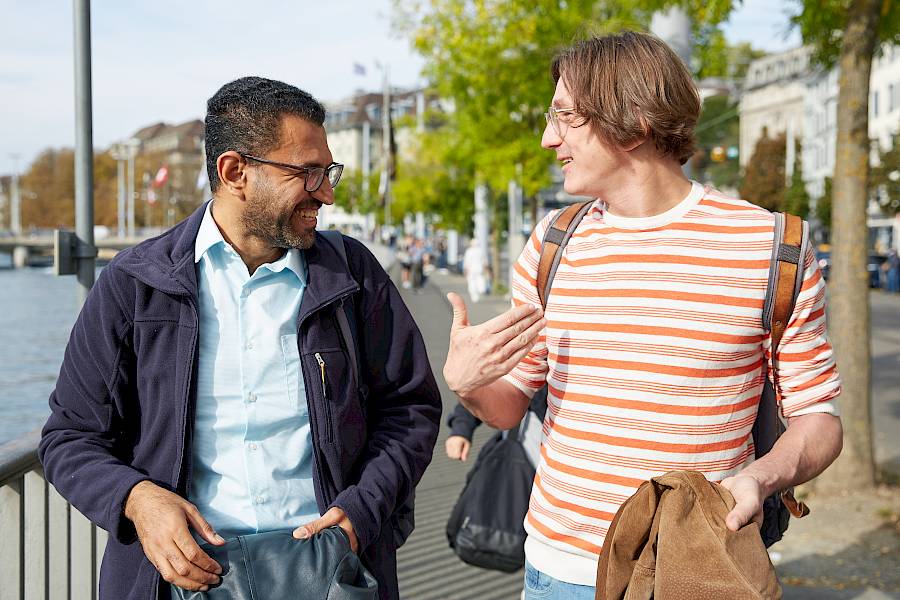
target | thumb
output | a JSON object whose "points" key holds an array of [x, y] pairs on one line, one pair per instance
{"points": [[310, 529], [739, 516], [465, 451], [460, 313]]}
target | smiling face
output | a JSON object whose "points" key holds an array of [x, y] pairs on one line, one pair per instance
{"points": [[589, 164], [277, 209]]}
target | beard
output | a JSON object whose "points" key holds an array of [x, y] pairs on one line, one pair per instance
{"points": [[268, 218]]}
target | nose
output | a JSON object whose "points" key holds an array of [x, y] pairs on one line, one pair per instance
{"points": [[325, 193], [550, 139]]}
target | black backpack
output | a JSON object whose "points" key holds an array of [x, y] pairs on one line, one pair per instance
{"points": [[486, 527]]}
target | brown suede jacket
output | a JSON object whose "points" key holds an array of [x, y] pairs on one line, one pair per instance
{"points": [[669, 541]]}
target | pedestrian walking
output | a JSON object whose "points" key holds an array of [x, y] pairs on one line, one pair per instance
{"points": [[475, 269]]}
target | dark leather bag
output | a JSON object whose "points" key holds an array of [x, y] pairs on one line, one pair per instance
{"points": [[275, 566]]}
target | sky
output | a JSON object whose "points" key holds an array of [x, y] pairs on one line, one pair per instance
{"points": [[160, 60]]}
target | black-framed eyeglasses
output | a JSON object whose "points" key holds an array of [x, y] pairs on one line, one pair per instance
{"points": [[313, 176]]}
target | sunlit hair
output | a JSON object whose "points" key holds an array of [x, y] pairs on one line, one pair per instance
{"points": [[631, 86], [245, 116]]}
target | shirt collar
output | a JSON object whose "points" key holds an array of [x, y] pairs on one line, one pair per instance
{"points": [[208, 235]]}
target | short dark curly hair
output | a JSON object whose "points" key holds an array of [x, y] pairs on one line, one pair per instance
{"points": [[245, 116]]}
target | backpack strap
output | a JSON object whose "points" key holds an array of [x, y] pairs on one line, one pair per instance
{"points": [[785, 279], [555, 239], [345, 318]]}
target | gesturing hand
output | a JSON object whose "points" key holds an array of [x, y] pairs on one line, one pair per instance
{"points": [[480, 354], [161, 519]]}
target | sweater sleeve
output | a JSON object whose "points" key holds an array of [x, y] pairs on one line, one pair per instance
{"points": [[79, 448], [808, 380], [531, 372]]}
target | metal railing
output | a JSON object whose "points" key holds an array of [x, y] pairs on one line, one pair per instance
{"points": [[48, 550]]}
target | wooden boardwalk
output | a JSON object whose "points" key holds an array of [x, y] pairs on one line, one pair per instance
{"points": [[428, 569]]}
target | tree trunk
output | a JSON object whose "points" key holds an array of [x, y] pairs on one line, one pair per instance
{"points": [[848, 315]]}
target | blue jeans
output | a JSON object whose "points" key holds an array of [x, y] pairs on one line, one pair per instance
{"points": [[540, 586]]}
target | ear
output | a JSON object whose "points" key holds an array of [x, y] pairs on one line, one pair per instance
{"points": [[232, 169], [637, 143]]}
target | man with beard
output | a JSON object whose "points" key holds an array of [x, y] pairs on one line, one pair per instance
{"points": [[208, 390]]}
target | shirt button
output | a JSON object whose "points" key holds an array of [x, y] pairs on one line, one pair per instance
{"points": [[259, 499], [250, 345], [253, 446], [251, 397], [245, 292]]}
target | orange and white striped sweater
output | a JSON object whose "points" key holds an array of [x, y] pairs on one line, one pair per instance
{"points": [[653, 354]]}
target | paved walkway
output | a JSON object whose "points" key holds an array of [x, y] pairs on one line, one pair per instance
{"points": [[858, 560]]}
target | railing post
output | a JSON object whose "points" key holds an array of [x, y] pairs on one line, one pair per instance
{"points": [[12, 549]]}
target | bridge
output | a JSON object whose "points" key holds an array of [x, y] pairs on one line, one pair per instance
{"points": [[30, 250]]}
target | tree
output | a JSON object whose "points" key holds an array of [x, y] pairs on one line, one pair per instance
{"points": [[885, 181], [719, 126], [848, 33], [796, 198], [764, 177], [823, 206]]}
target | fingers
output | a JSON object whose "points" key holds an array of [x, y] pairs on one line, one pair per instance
{"points": [[334, 516], [196, 556], [526, 339], [176, 568], [464, 453], [202, 527], [520, 326], [460, 313], [457, 447], [508, 319]]}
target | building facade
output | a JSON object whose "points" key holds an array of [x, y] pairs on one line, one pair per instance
{"points": [[773, 98]]}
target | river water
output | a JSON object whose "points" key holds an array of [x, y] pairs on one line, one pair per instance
{"points": [[37, 310]]}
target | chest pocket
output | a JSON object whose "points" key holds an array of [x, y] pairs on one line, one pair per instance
{"points": [[293, 379]]}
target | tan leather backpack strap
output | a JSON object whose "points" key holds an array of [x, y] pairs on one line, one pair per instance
{"points": [[555, 239], [789, 264]]}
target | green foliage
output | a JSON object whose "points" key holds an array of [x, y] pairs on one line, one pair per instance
{"points": [[491, 58], [764, 177], [796, 198], [719, 125], [351, 194], [822, 24], [884, 180], [823, 204]]}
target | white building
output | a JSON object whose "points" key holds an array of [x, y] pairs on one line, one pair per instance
{"points": [[773, 98], [820, 126], [354, 128]]}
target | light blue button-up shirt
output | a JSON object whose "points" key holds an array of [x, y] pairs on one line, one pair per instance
{"points": [[252, 462]]}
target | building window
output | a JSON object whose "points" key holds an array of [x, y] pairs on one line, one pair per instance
{"points": [[892, 99], [874, 105]]}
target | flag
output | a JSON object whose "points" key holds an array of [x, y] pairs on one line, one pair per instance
{"points": [[162, 176], [359, 69]]}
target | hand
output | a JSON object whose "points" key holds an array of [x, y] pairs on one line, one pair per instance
{"points": [[334, 516], [748, 500], [457, 447], [161, 519], [481, 354]]}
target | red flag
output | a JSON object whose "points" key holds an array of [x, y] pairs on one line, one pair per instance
{"points": [[162, 176]]}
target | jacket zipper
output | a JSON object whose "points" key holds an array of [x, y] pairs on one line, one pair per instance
{"points": [[321, 362]]}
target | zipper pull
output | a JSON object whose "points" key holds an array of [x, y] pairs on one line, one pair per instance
{"points": [[321, 362]]}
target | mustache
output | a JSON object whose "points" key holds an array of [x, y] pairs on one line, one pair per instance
{"points": [[309, 205]]}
